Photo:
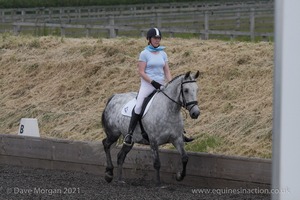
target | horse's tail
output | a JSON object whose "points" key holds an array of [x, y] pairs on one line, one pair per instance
{"points": [[103, 118]]}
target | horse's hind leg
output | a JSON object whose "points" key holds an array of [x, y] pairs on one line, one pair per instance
{"points": [[121, 157], [107, 142]]}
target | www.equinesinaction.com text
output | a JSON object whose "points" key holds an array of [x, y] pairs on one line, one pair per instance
{"points": [[222, 191]]}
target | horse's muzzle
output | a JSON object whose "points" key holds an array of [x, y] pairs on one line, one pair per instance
{"points": [[194, 112]]}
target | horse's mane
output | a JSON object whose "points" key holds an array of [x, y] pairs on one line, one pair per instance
{"points": [[176, 77]]}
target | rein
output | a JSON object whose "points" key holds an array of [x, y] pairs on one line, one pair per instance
{"points": [[184, 103]]}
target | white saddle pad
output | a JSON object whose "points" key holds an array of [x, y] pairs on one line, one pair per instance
{"points": [[127, 109]]}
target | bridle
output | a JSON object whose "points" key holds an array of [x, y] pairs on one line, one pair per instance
{"points": [[183, 104]]}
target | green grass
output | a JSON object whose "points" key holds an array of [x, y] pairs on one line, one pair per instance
{"points": [[204, 143]]}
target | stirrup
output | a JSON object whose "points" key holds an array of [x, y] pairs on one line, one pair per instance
{"points": [[124, 141]]}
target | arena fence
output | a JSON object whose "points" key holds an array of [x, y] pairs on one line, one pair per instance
{"points": [[203, 170], [248, 20]]}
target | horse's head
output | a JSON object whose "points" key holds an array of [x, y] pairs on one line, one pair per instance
{"points": [[184, 91], [188, 96]]}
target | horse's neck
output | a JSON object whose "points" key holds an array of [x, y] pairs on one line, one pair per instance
{"points": [[172, 91], [173, 88]]}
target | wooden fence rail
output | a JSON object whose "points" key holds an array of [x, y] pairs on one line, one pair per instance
{"points": [[252, 21], [67, 13], [200, 24]]}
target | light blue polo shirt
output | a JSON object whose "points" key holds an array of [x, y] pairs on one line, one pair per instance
{"points": [[154, 64]]}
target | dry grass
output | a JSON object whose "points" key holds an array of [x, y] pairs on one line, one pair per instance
{"points": [[65, 83]]}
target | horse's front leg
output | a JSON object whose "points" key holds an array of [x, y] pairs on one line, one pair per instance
{"points": [[179, 145], [156, 161]]}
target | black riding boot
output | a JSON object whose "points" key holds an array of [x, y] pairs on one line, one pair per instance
{"points": [[133, 122]]}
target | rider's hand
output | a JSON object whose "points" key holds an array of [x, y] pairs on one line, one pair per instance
{"points": [[156, 84]]}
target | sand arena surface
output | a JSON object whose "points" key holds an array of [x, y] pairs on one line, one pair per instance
{"points": [[65, 83], [27, 183]]}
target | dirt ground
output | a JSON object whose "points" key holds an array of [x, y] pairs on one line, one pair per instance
{"points": [[27, 183]]}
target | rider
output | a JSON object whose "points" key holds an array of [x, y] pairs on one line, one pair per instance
{"points": [[153, 69]]}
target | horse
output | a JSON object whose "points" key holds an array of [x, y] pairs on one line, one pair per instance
{"points": [[163, 123]]}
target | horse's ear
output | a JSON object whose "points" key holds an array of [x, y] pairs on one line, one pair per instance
{"points": [[197, 75], [187, 75]]}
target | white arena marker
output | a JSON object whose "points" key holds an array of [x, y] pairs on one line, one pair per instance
{"points": [[286, 109], [29, 127]]}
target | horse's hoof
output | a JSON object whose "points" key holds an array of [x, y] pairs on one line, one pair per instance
{"points": [[186, 139], [179, 177], [108, 178]]}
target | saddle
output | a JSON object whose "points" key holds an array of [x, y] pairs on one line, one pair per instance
{"points": [[146, 101], [128, 108]]}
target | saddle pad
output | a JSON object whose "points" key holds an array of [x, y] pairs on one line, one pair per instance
{"points": [[127, 109]]}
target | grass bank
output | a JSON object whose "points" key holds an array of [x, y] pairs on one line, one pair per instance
{"points": [[65, 83]]}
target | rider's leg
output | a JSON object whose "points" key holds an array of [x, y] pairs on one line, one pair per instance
{"points": [[133, 122], [145, 90]]}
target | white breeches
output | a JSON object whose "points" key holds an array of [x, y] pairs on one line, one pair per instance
{"points": [[145, 90]]}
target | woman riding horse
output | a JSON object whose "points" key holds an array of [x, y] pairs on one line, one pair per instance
{"points": [[163, 123], [153, 69]]}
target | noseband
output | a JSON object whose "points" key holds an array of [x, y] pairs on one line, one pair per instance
{"points": [[183, 104]]}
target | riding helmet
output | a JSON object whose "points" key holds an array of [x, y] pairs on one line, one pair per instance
{"points": [[153, 32]]}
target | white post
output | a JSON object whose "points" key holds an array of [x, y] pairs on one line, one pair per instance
{"points": [[252, 24], [111, 30], [286, 107], [29, 127], [206, 25], [23, 13]]}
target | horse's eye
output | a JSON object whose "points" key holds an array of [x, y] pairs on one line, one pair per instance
{"points": [[186, 90]]}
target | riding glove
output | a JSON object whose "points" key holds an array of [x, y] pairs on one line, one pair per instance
{"points": [[156, 84]]}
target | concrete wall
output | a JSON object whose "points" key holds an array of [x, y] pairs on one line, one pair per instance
{"points": [[203, 170]]}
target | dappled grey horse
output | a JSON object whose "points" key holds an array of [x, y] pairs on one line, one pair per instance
{"points": [[163, 122]]}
